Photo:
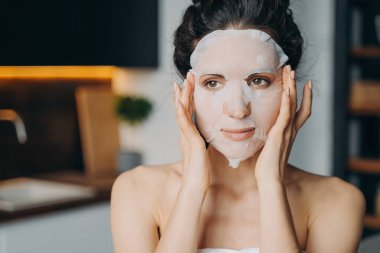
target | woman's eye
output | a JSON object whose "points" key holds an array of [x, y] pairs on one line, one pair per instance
{"points": [[212, 84], [258, 82]]}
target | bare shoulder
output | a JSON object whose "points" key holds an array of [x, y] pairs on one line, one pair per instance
{"points": [[335, 210], [334, 192], [325, 193], [146, 178], [332, 188], [139, 193], [135, 199]]}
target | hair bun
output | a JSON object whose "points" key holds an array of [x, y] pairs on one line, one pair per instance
{"points": [[205, 16], [285, 3]]}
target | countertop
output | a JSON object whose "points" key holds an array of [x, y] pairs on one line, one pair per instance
{"points": [[102, 184]]}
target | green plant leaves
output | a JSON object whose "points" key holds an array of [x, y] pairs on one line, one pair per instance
{"points": [[133, 109]]}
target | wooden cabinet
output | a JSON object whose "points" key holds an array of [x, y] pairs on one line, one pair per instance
{"points": [[357, 101], [79, 32], [48, 109]]}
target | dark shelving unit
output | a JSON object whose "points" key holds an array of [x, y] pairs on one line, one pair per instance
{"points": [[357, 101]]}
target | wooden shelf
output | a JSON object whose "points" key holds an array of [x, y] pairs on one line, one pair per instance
{"points": [[58, 72], [372, 221], [366, 51], [358, 102], [364, 98], [371, 166]]}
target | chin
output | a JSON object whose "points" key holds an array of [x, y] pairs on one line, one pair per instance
{"points": [[239, 150]]}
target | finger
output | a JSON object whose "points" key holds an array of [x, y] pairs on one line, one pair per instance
{"points": [[185, 97], [192, 86], [185, 112], [191, 105], [284, 114], [179, 96], [190, 83], [187, 127], [288, 77], [182, 116], [305, 110], [293, 92]]}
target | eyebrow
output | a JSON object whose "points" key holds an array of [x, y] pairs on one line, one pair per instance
{"points": [[260, 73], [218, 75], [248, 77]]}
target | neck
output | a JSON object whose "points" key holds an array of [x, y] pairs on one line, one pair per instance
{"points": [[240, 179]]}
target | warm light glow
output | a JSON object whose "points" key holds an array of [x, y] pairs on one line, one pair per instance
{"points": [[57, 71]]}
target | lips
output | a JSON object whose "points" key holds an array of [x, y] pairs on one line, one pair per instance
{"points": [[238, 134]]}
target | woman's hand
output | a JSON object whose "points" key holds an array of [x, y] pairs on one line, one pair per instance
{"points": [[195, 160], [274, 155]]}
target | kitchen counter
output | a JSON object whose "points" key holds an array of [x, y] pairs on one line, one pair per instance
{"points": [[102, 184]]}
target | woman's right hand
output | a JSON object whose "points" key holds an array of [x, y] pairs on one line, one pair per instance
{"points": [[195, 161]]}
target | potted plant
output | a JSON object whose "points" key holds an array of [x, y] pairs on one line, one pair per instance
{"points": [[132, 111]]}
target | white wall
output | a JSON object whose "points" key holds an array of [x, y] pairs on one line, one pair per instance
{"points": [[80, 230], [159, 134], [312, 149]]}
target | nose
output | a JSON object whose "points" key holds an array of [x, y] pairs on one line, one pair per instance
{"points": [[235, 106]]}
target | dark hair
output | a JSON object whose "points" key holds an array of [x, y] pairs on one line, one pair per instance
{"points": [[205, 16]]}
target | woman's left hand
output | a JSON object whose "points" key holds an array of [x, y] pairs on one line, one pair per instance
{"points": [[274, 156]]}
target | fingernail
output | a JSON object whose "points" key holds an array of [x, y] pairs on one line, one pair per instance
{"points": [[310, 85], [287, 91], [174, 87], [292, 74], [188, 75], [288, 68]]}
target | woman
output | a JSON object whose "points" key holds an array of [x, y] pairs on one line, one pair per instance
{"points": [[233, 190]]}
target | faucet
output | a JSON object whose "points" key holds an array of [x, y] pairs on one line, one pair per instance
{"points": [[12, 116]]}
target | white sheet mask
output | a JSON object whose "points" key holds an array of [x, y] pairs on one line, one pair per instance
{"points": [[233, 59]]}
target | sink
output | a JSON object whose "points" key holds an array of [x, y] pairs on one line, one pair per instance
{"points": [[24, 193]]}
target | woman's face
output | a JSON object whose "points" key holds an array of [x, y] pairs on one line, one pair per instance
{"points": [[237, 93]]}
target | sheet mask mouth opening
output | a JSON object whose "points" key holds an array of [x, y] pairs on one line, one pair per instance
{"points": [[238, 134], [241, 130]]}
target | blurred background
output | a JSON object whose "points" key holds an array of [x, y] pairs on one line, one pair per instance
{"points": [[85, 94]]}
